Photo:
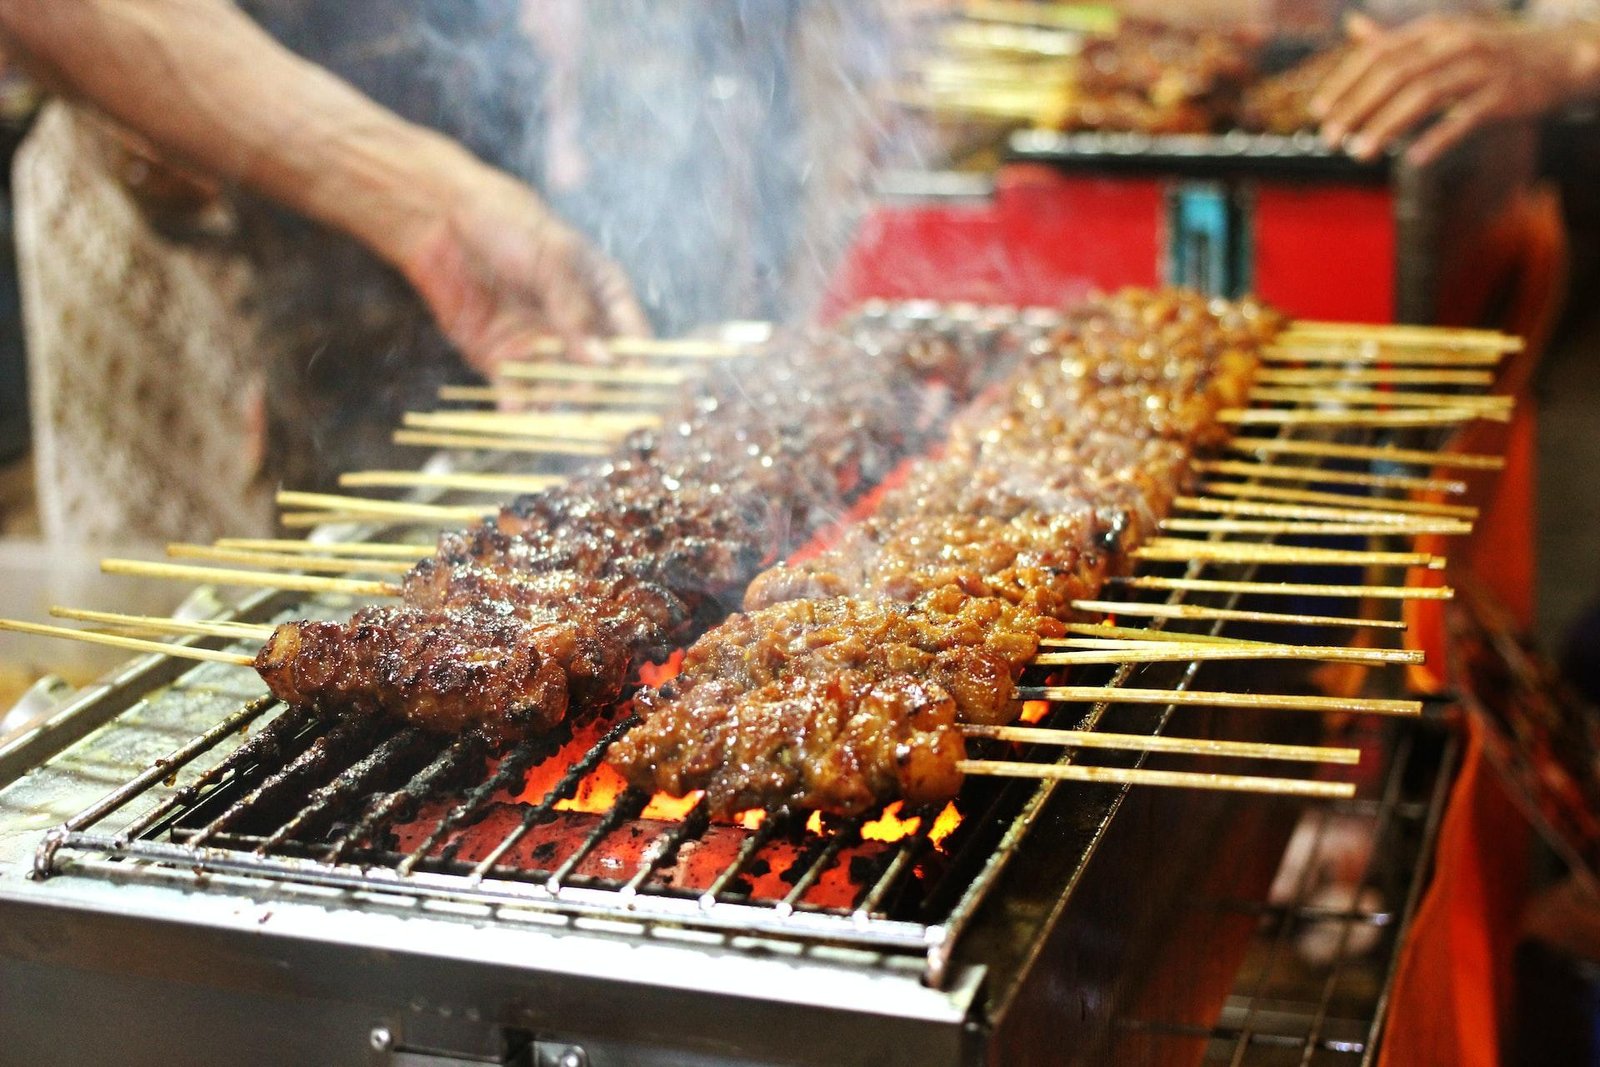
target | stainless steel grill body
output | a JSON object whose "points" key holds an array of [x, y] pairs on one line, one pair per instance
{"points": [[145, 904]]}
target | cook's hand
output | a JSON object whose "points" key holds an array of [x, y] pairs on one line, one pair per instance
{"points": [[498, 269], [1442, 76]]}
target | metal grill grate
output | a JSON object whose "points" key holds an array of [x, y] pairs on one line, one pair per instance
{"points": [[1313, 987]]}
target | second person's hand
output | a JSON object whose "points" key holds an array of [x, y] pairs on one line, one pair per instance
{"points": [[498, 269]]}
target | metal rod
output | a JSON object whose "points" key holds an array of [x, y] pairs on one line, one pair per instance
{"points": [[565, 786]]}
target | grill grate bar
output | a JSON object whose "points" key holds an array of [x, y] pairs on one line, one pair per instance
{"points": [[747, 851], [847, 834], [1386, 812], [663, 851], [513, 765], [353, 783], [911, 846], [269, 737], [628, 806], [311, 760], [447, 762], [564, 788]]}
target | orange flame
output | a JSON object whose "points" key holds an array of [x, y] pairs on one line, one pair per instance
{"points": [[1034, 710]]}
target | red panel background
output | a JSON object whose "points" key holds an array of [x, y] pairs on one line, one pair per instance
{"points": [[1326, 251]]}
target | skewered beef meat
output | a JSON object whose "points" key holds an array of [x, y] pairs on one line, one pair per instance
{"points": [[1040, 492]]}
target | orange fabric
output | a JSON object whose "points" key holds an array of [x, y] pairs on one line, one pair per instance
{"points": [[1454, 985], [1523, 263]]}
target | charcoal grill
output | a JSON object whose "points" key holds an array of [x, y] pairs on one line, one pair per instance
{"points": [[211, 871]]}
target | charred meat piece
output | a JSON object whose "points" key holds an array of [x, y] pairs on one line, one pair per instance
{"points": [[445, 671], [840, 743]]}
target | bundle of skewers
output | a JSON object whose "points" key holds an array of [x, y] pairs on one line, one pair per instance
{"points": [[999, 481]]}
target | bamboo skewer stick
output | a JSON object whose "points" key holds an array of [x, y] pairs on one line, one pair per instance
{"points": [[1379, 453], [1201, 612], [1316, 475], [575, 372], [543, 446], [1301, 350], [559, 426], [1241, 783], [1492, 404], [1447, 527], [1372, 376], [388, 509], [463, 480], [299, 583], [1383, 505], [209, 655], [328, 548], [1116, 694], [306, 520], [289, 561], [1182, 653], [1349, 417], [1105, 631], [240, 631], [654, 347], [1391, 520], [579, 395], [1208, 585], [1407, 333], [1182, 549], [1177, 745]]}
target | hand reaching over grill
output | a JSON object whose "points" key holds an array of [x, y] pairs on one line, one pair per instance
{"points": [[1446, 77], [498, 269]]}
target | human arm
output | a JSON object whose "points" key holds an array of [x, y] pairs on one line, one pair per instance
{"points": [[1443, 77], [199, 80]]}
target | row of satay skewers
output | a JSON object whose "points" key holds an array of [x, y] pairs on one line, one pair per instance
{"points": [[1324, 375]]}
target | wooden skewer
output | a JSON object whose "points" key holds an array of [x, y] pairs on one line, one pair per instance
{"points": [[289, 561], [308, 520], [300, 583], [517, 424], [463, 480], [1105, 631], [1399, 332], [1199, 611], [135, 644], [1179, 745], [1379, 398], [581, 396], [656, 347], [1391, 520], [1240, 783], [241, 631], [1384, 505], [1349, 417], [1315, 529], [574, 372], [388, 509], [1208, 585], [1116, 694], [1380, 453], [1272, 471], [328, 548], [1372, 376], [1180, 549], [1182, 653], [537, 446], [1300, 350]]}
